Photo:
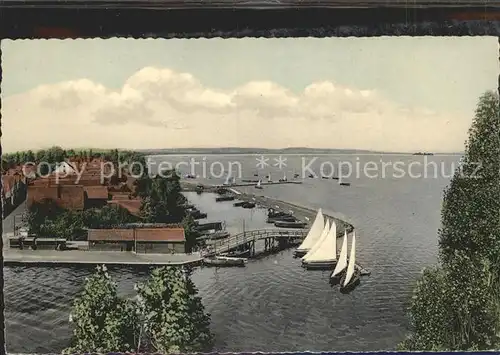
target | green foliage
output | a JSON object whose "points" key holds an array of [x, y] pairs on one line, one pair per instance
{"points": [[162, 200], [174, 316], [451, 309], [167, 316], [190, 232], [103, 321], [471, 204], [46, 219], [457, 305], [56, 155]]}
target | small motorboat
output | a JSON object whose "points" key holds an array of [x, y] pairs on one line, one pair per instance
{"points": [[285, 218], [311, 176], [197, 214], [352, 276], [335, 177], [224, 198], [345, 184], [238, 253], [239, 203], [248, 205], [324, 177], [224, 261], [285, 224], [221, 191], [219, 235], [272, 213]]}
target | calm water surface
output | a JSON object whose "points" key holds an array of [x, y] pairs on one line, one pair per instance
{"points": [[273, 304]]}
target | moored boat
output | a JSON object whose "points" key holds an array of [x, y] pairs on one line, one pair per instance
{"points": [[199, 189], [345, 184], [258, 186], [286, 224], [284, 218], [339, 270], [312, 236], [323, 255], [318, 243], [219, 235], [224, 198], [248, 205], [352, 276]]}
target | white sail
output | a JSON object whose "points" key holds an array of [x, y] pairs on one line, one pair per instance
{"points": [[315, 247], [326, 249], [258, 183], [342, 263], [269, 178], [314, 233], [352, 261]]}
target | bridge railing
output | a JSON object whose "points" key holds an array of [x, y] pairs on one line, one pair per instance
{"points": [[246, 237]]}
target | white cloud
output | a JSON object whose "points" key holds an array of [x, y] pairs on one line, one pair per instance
{"points": [[160, 108]]}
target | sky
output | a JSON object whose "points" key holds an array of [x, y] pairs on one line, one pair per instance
{"points": [[387, 93]]}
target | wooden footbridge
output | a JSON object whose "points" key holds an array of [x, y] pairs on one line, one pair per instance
{"points": [[246, 240]]}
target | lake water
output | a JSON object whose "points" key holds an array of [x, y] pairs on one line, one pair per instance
{"points": [[273, 304]]}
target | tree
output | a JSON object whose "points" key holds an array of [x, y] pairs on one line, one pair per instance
{"points": [[457, 306], [451, 309], [103, 321], [174, 317], [190, 232]]}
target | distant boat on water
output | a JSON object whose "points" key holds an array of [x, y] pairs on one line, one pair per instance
{"points": [[339, 270], [423, 153], [352, 276], [324, 253], [258, 186], [313, 235]]}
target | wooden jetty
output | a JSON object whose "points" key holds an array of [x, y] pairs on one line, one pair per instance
{"points": [[272, 238]]}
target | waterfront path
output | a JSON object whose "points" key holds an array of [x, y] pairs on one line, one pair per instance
{"points": [[79, 257]]}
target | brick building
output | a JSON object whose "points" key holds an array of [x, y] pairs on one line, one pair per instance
{"points": [[138, 239]]}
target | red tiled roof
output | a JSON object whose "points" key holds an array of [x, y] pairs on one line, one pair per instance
{"points": [[96, 192], [133, 206], [138, 234]]}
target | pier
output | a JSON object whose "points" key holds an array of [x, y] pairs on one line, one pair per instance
{"points": [[272, 238], [12, 257]]}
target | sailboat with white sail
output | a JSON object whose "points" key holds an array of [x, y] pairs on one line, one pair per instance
{"points": [[313, 235], [258, 186], [339, 270], [315, 247], [324, 254], [352, 277]]}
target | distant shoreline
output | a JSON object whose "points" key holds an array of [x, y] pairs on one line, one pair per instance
{"points": [[287, 151]]}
